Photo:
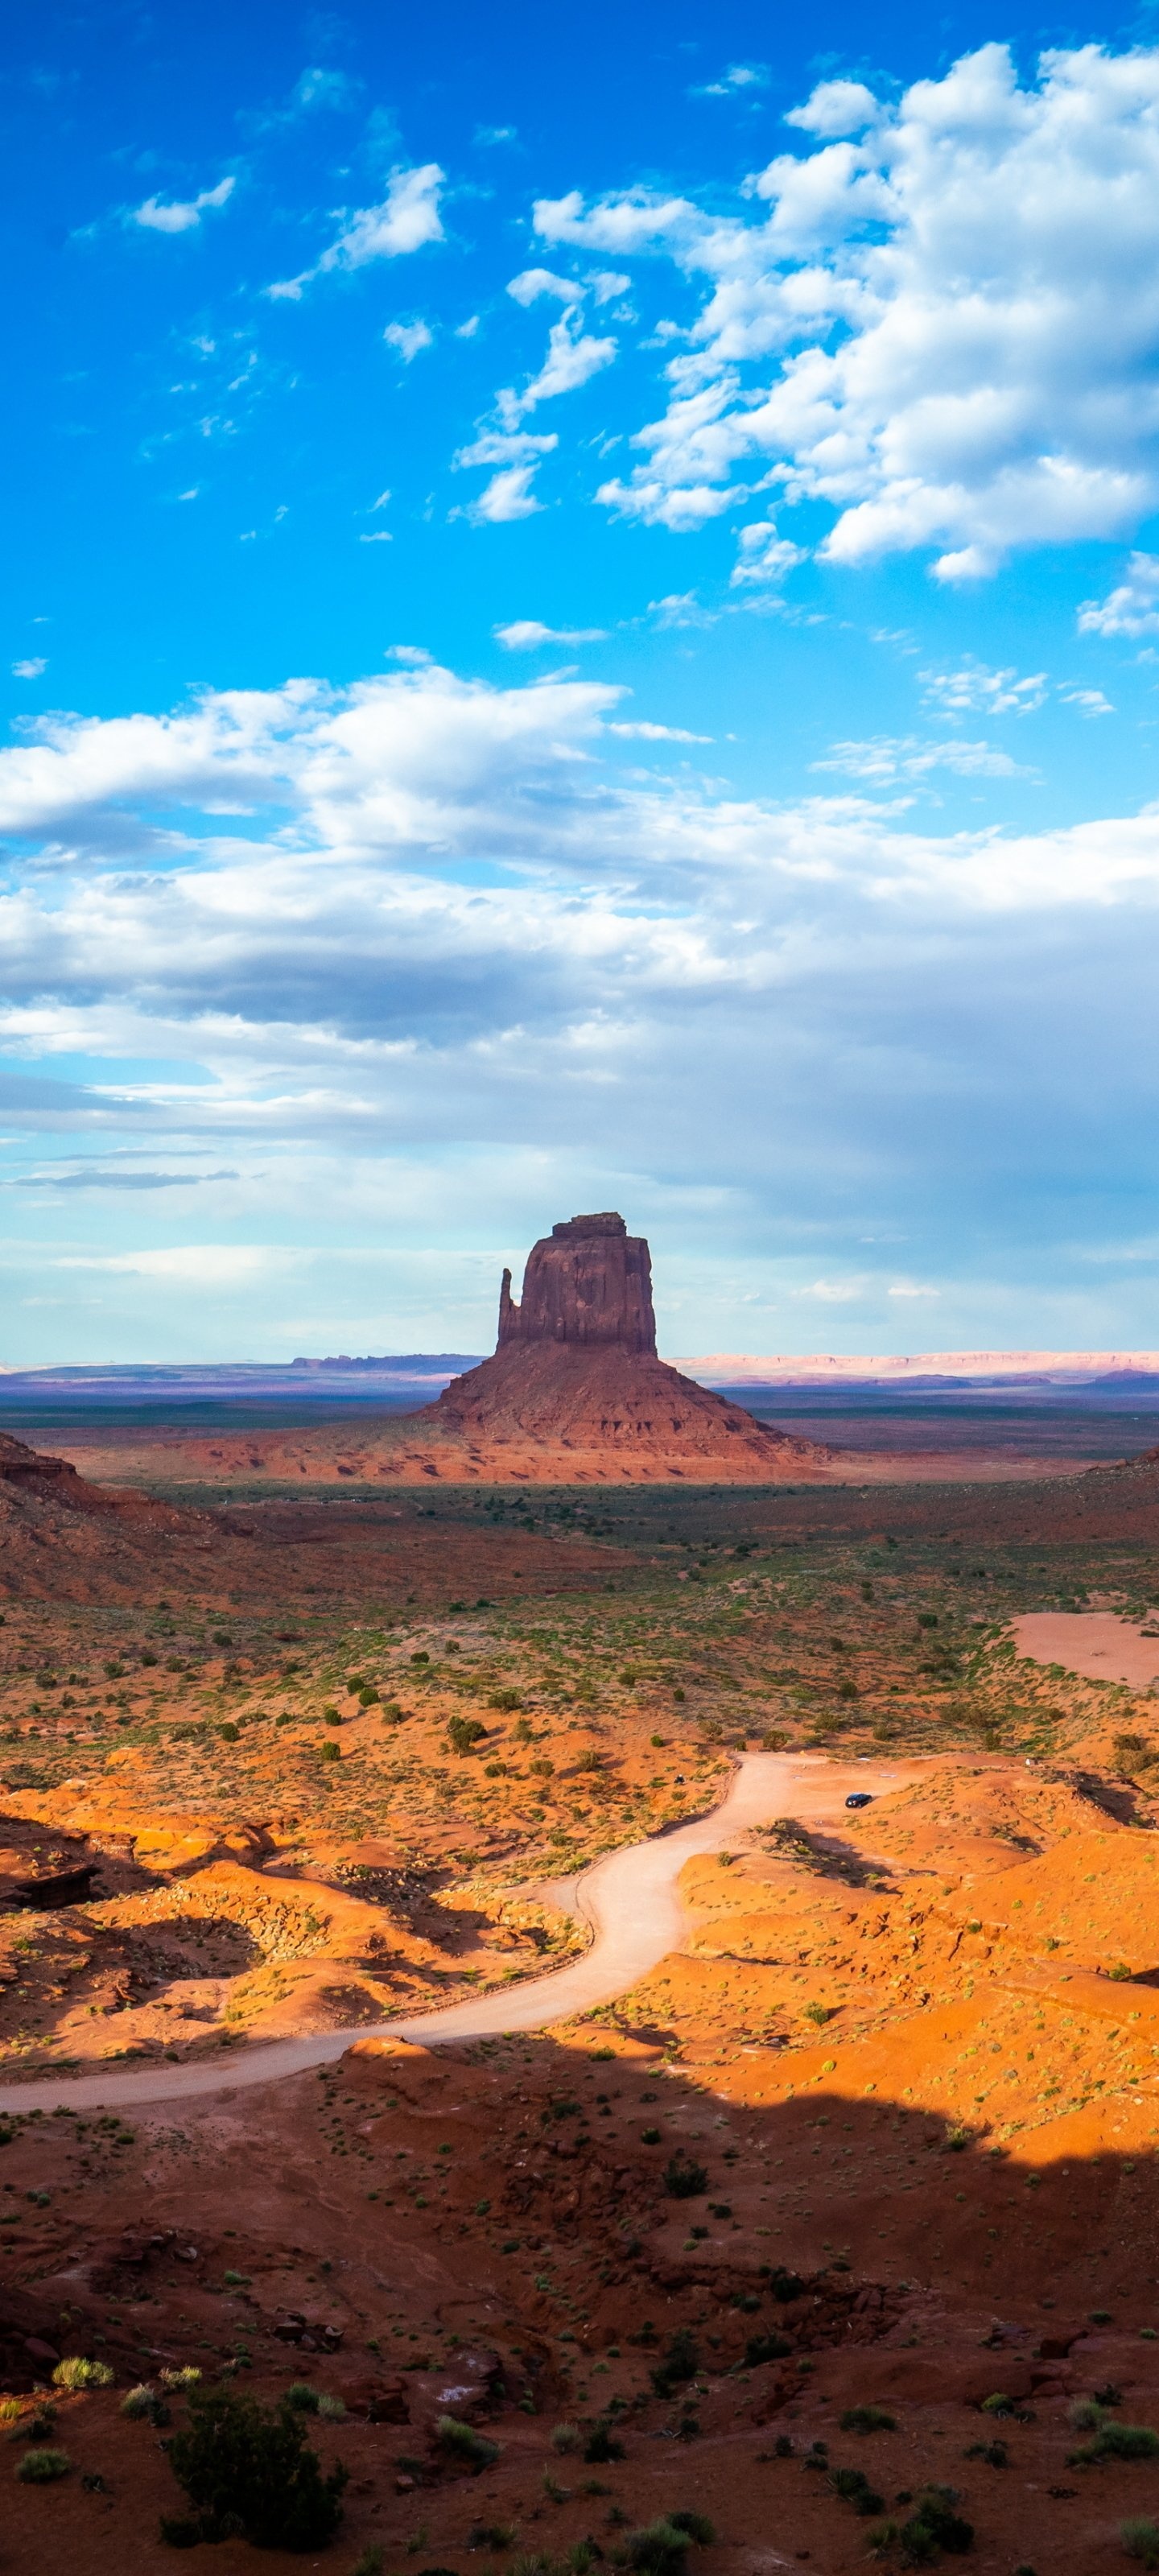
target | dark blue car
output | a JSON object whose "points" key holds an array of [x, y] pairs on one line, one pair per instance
{"points": [[859, 1798]]}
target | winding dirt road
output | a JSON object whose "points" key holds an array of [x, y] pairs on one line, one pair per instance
{"points": [[629, 1898]]}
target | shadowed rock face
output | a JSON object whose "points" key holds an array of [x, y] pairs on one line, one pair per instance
{"points": [[588, 1283]]}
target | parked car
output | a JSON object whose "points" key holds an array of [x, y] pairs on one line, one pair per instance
{"points": [[859, 1798]]}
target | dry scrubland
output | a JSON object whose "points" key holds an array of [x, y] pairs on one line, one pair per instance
{"points": [[881, 2135]]}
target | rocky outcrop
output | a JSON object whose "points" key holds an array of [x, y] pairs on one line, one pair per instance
{"points": [[587, 1285], [575, 1390]]}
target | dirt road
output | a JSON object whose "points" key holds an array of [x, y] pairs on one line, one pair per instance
{"points": [[629, 1898]]}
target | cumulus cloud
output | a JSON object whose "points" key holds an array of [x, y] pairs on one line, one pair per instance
{"points": [[644, 732], [1132, 608], [405, 220], [507, 496], [408, 338], [939, 317], [31, 669], [177, 215], [735, 81], [425, 930], [531, 283], [764, 557]]}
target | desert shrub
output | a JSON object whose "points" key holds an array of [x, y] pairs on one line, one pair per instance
{"points": [[504, 1699], [228, 1731], [998, 2404], [661, 2548], [868, 2419], [566, 2437], [10, 2410], [332, 1717], [785, 2285], [1118, 2442], [40, 2468], [372, 2560], [247, 2471], [75, 2372], [463, 1733], [935, 2525], [332, 2409], [681, 2362], [303, 2399], [1140, 2539], [178, 2379], [994, 2453], [765, 2347], [819, 2013], [143, 2404], [1084, 2414], [854, 2487], [489, 2535], [602, 2444], [684, 2178], [464, 2443]]}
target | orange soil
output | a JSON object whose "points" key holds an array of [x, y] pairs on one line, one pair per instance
{"points": [[1100, 1644]]}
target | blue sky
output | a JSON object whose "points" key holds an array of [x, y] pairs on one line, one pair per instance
{"points": [[581, 629]]}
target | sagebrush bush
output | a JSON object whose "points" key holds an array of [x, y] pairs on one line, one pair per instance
{"points": [[41, 2468], [464, 2443], [868, 2419], [566, 2437], [1140, 2539], [1118, 2442], [75, 2372]]}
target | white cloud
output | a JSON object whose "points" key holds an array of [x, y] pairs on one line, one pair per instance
{"points": [[835, 107], [408, 338], [406, 220], [573, 356], [606, 283], [764, 556], [30, 669], [531, 283], [200, 1265], [975, 689], [1132, 608], [453, 933], [657, 733], [683, 507], [883, 760], [960, 304], [170, 215], [738, 78], [911, 1288], [507, 496], [1090, 702], [525, 635]]}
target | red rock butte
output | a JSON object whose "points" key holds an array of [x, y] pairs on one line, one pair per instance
{"points": [[576, 1390]]}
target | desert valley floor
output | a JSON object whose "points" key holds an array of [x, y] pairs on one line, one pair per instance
{"points": [[848, 2202]]}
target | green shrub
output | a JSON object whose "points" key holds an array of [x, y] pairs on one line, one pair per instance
{"points": [[247, 2472], [1140, 2539], [40, 2468], [504, 1699], [463, 1733], [684, 2178], [464, 2443], [854, 2487], [75, 2372], [868, 2419], [372, 2560], [331, 1752], [695, 2526], [774, 2347], [1118, 2442], [566, 2437], [661, 2548], [934, 2526], [302, 2398], [681, 2362], [785, 2285], [178, 2379], [143, 2403], [602, 2444]]}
